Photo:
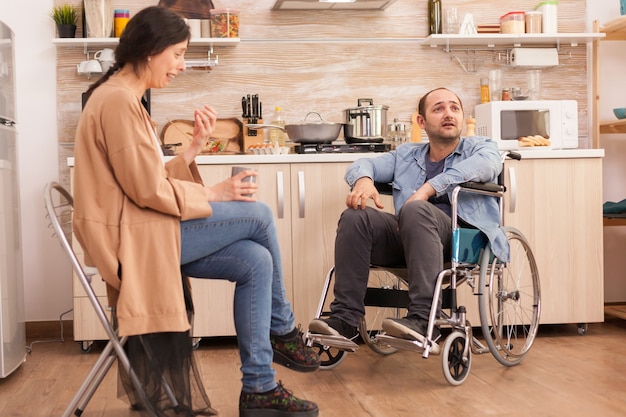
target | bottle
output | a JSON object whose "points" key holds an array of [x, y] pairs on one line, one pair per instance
{"points": [[484, 90], [277, 136], [434, 17]]}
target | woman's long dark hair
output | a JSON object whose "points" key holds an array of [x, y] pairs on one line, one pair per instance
{"points": [[148, 33]]}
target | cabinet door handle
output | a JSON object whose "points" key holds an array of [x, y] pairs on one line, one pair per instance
{"points": [[512, 190], [280, 191], [301, 193]]}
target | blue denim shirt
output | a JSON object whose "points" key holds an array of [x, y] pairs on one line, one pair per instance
{"points": [[475, 158]]}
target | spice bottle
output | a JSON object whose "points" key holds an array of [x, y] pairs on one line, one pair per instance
{"points": [[434, 17], [484, 90], [506, 94], [470, 126]]}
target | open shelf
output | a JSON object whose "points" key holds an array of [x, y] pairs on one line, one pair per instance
{"points": [[618, 126], [100, 42], [615, 30], [492, 40]]}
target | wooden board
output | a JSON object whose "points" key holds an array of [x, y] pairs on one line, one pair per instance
{"points": [[227, 131]]}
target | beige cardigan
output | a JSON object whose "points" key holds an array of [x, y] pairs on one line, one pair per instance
{"points": [[128, 208]]}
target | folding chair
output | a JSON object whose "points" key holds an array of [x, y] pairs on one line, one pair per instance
{"points": [[59, 207]]}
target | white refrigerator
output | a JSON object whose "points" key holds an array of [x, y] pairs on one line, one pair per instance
{"points": [[12, 332]]}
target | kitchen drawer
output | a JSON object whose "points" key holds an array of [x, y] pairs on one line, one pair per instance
{"points": [[87, 326]]}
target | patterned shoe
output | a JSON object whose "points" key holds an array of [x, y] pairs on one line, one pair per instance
{"points": [[291, 351], [277, 403]]}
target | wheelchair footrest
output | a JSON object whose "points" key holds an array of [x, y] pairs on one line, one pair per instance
{"points": [[337, 342], [399, 343]]}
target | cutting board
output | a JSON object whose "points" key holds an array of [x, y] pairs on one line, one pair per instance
{"points": [[228, 132]]}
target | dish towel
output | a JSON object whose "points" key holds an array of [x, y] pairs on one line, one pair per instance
{"points": [[611, 207]]}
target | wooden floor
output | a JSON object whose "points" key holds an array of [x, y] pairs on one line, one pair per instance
{"points": [[564, 375]]}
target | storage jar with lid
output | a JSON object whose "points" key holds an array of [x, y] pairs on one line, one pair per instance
{"points": [[549, 19], [533, 21], [224, 23], [512, 22]]}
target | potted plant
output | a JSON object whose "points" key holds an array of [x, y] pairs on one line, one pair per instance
{"points": [[65, 17]]}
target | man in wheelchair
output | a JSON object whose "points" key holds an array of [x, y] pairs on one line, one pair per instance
{"points": [[419, 235]]}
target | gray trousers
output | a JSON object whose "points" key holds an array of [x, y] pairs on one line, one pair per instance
{"points": [[419, 238]]}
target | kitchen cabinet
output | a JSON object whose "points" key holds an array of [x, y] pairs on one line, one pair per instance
{"points": [[559, 210], [307, 199], [614, 30]]}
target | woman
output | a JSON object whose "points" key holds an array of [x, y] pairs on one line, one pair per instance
{"points": [[142, 221]]}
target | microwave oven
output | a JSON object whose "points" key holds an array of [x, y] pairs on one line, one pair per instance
{"points": [[507, 121]]}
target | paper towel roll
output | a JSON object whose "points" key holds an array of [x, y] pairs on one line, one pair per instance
{"points": [[534, 57]]}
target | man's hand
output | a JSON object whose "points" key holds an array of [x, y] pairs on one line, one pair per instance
{"points": [[363, 190], [423, 193]]}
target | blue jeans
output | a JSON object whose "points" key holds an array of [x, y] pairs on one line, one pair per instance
{"points": [[239, 243]]}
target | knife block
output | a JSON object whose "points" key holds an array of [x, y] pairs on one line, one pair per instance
{"points": [[248, 139]]}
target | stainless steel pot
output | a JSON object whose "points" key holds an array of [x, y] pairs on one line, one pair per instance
{"points": [[365, 124], [307, 132]]}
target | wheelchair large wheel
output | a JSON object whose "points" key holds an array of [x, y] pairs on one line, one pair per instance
{"points": [[509, 300], [455, 368], [386, 297]]}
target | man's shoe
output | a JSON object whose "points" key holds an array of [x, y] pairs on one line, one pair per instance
{"points": [[333, 326], [290, 351], [411, 328], [276, 403]]}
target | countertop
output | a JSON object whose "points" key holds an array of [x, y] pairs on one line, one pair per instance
{"points": [[350, 157]]}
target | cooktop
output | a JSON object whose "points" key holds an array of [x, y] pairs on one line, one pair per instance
{"points": [[341, 148]]}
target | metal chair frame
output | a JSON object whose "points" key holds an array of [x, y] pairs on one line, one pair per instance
{"points": [[59, 206]]}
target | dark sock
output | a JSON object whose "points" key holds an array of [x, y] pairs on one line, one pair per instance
{"points": [[287, 336]]}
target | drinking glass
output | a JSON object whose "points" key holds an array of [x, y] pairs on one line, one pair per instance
{"points": [[495, 84], [450, 21], [533, 83]]}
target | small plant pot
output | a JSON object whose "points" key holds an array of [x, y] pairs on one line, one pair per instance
{"points": [[66, 31]]}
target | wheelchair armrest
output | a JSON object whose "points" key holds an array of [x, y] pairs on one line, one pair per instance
{"points": [[384, 188], [483, 186]]}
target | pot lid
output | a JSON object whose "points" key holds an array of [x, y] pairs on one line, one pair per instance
{"points": [[305, 122]]}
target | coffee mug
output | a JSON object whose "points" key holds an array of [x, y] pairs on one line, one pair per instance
{"points": [[237, 170], [105, 54], [89, 67], [106, 65]]}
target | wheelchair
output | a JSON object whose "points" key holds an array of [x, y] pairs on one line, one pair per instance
{"points": [[508, 296]]}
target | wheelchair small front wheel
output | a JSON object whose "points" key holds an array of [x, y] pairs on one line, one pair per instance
{"points": [[456, 367], [329, 357]]}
